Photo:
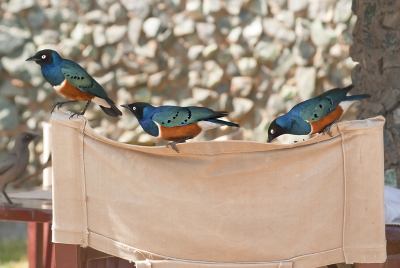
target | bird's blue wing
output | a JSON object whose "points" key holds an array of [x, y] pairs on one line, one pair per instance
{"points": [[80, 79], [7, 162], [172, 116], [319, 107]]}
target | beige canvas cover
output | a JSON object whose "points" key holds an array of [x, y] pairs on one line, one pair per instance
{"points": [[222, 203]]}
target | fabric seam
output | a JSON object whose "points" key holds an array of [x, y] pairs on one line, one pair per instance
{"points": [[345, 197], [83, 181], [144, 252]]}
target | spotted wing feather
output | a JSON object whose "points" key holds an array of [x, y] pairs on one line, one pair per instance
{"points": [[172, 116], [319, 107], [80, 79], [318, 110]]}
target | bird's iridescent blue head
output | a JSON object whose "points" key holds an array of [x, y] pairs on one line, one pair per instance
{"points": [[136, 108], [275, 130], [45, 57]]}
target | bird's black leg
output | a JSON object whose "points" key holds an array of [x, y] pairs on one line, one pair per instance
{"points": [[327, 129], [59, 104], [3, 191], [81, 113], [9, 202], [174, 143]]}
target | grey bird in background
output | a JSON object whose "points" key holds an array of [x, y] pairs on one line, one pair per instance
{"points": [[14, 163]]}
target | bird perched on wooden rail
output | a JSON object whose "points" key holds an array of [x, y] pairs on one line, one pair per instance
{"points": [[70, 80], [315, 115], [175, 123], [14, 163]]}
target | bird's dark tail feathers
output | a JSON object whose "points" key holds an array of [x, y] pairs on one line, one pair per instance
{"points": [[222, 122], [356, 97], [113, 110], [218, 114], [348, 88]]}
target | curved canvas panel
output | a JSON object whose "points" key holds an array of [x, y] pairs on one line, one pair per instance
{"points": [[237, 203]]}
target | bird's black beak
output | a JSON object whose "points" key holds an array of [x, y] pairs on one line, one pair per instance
{"points": [[32, 59], [35, 136], [126, 106], [271, 137]]}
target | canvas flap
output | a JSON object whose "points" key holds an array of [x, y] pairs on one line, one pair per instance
{"points": [[180, 264], [310, 203]]}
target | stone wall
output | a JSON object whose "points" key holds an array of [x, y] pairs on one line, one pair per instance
{"points": [[254, 58], [376, 48]]}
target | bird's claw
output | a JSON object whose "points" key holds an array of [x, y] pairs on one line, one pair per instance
{"points": [[329, 132], [56, 105], [74, 114], [174, 143], [327, 129], [173, 146]]}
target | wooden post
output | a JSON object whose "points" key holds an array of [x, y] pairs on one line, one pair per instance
{"points": [[35, 244], [47, 245], [68, 256]]}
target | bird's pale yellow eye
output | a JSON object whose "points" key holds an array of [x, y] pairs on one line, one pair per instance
{"points": [[134, 108], [43, 56], [272, 131]]}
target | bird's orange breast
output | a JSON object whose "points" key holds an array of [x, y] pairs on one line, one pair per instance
{"points": [[320, 125], [175, 133], [70, 92]]}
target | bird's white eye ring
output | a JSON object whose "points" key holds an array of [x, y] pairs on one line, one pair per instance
{"points": [[43, 56], [133, 108], [272, 131]]}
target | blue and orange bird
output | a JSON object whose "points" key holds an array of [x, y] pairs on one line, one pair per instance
{"points": [[71, 81], [175, 123], [315, 115]]}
